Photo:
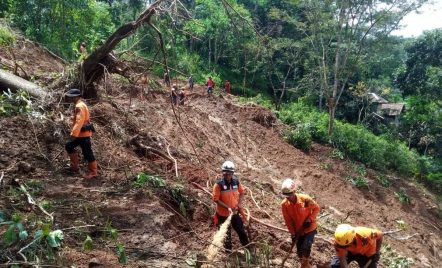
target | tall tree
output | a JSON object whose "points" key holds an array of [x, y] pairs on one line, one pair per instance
{"points": [[358, 24]]}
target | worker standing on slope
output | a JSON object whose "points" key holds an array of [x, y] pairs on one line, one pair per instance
{"points": [[191, 82], [227, 86], [300, 212], [174, 94], [166, 79], [144, 88], [228, 195], [183, 96], [359, 244], [81, 134], [210, 85]]}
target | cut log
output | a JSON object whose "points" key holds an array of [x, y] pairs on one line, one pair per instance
{"points": [[15, 83]]}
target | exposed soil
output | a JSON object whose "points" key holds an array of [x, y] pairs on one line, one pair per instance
{"points": [[151, 227]]}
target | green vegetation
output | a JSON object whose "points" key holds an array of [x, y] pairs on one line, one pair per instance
{"points": [[14, 103], [43, 242], [357, 181], [402, 196], [7, 37], [384, 180], [151, 180], [392, 259]]}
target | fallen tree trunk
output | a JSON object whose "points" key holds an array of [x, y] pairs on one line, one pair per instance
{"points": [[93, 67], [15, 83]]}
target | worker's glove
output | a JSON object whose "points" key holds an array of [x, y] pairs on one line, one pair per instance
{"points": [[307, 224], [375, 258], [293, 238]]}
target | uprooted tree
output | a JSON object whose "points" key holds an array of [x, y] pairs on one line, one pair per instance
{"points": [[95, 65], [102, 59]]}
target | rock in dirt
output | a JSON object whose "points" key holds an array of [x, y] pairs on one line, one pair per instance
{"points": [[94, 262], [24, 167]]}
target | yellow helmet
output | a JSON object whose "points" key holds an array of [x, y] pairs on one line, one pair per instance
{"points": [[344, 235]]}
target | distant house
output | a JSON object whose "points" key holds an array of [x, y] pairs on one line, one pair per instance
{"points": [[385, 111]]}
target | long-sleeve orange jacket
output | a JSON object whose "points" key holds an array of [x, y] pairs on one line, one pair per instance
{"points": [[81, 117], [365, 243], [228, 194], [295, 214]]}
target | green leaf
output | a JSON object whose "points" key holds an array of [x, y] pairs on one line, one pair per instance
{"points": [[183, 209], [20, 226], [190, 262], [38, 234], [122, 258], [16, 218], [45, 229], [23, 235], [88, 245], [113, 233], [10, 236], [55, 238]]}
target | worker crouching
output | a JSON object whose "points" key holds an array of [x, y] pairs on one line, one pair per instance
{"points": [[81, 134], [359, 244], [228, 195], [300, 212]]}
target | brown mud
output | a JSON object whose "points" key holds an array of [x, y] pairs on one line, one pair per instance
{"points": [[150, 225]]}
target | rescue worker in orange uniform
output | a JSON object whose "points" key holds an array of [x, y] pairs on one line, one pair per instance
{"points": [[227, 86], [358, 244], [300, 212], [80, 135], [228, 195]]}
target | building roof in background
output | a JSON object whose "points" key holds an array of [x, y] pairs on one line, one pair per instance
{"points": [[376, 98], [392, 109]]}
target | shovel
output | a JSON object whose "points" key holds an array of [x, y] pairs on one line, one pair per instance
{"points": [[291, 247]]}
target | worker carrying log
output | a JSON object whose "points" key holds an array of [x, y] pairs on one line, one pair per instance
{"points": [[81, 134], [228, 195], [359, 244], [300, 212]]}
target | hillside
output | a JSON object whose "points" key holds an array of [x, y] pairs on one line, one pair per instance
{"points": [[149, 219]]}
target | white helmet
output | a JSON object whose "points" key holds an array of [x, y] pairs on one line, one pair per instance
{"points": [[228, 166], [288, 187]]}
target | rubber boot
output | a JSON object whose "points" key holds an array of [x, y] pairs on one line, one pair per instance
{"points": [[74, 162], [304, 262], [93, 170]]}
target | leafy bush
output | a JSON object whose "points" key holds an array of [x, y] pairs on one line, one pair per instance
{"points": [[359, 182], [299, 137], [7, 37], [14, 103], [355, 141], [154, 181], [391, 258], [402, 196], [384, 180]]}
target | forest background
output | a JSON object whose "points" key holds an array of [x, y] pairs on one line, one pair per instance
{"points": [[309, 61]]}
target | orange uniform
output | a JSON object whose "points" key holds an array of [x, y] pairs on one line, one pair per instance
{"points": [[227, 86], [81, 117], [228, 194], [365, 243], [296, 214]]}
